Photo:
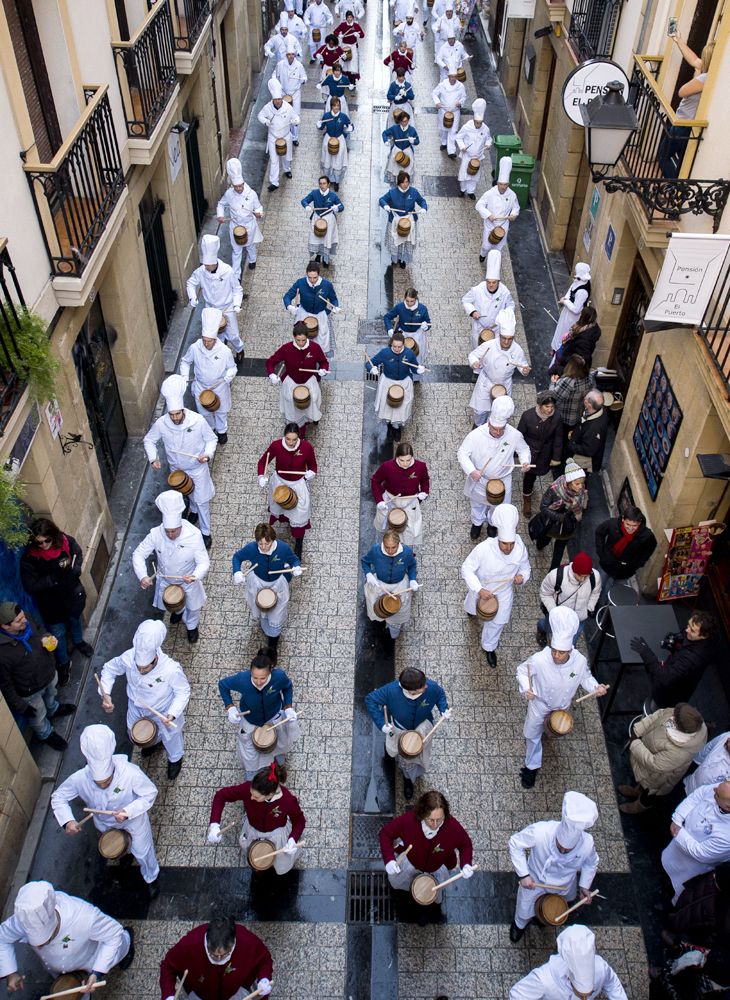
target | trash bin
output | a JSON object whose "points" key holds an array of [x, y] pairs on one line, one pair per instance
{"points": [[523, 166], [506, 145]]}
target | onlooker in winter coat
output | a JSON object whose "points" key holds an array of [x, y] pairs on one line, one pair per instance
{"points": [[587, 441], [623, 545], [675, 679], [542, 429], [702, 914], [576, 586], [561, 510], [582, 339]]}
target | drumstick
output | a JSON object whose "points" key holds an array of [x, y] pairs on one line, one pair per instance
{"points": [[385, 715], [286, 569], [403, 855], [250, 569], [416, 323], [168, 577], [180, 985], [99, 812], [86, 819], [430, 734], [454, 878], [591, 694], [399, 593], [185, 453], [413, 496], [545, 885], [283, 721], [291, 472], [228, 826], [575, 906], [266, 463], [158, 714], [411, 365], [311, 371], [104, 694], [256, 993], [529, 688], [73, 560], [74, 990], [273, 854], [518, 465]]}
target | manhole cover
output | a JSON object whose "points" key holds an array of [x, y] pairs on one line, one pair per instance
{"points": [[371, 331], [369, 899], [364, 842]]}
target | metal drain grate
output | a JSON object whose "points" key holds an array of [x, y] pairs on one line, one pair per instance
{"points": [[364, 841], [369, 899], [371, 331], [439, 186]]}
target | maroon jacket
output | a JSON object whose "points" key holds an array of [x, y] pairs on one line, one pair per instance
{"points": [[250, 961], [407, 482], [329, 56], [348, 33], [290, 461], [400, 60], [311, 357], [427, 855], [263, 816]]}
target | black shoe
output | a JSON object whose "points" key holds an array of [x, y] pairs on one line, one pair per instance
{"points": [[491, 531], [64, 674], [407, 789], [176, 617], [223, 437], [336, 186], [462, 194], [129, 957], [193, 635], [273, 187], [85, 649], [153, 889], [491, 658], [192, 517], [55, 742], [540, 638], [390, 432], [244, 296], [472, 196], [318, 258], [149, 751], [326, 263], [402, 264], [208, 540], [475, 532], [311, 62], [173, 769], [298, 542], [66, 708], [481, 259], [252, 267], [442, 147], [528, 776], [452, 156], [287, 173], [295, 142], [515, 932], [238, 356]]}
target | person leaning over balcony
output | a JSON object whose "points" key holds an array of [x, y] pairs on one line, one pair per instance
{"points": [[674, 143]]}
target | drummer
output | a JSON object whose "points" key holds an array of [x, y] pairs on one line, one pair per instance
{"points": [[305, 364], [473, 140], [244, 209], [317, 297], [412, 319], [562, 856], [401, 96], [292, 76], [263, 554], [270, 812], [449, 95], [221, 288], [110, 781], [487, 454], [334, 165], [390, 568], [189, 446], [498, 207], [399, 366], [334, 86], [215, 370], [400, 58], [401, 138], [266, 695], [329, 53], [437, 839], [317, 18], [181, 560], [485, 301], [402, 483], [576, 971], [154, 681], [406, 705], [402, 202], [323, 204], [493, 569], [549, 680], [295, 465], [349, 33], [495, 361]]}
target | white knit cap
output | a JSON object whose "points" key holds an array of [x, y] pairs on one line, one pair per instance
{"points": [[209, 247], [579, 813], [275, 88], [505, 169], [35, 911], [147, 641], [98, 743], [573, 471], [494, 263], [577, 948], [502, 410], [210, 320], [583, 271], [234, 170], [173, 389], [564, 624], [505, 520], [291, 45], [479, 107], [171, 505], [507, 322]]}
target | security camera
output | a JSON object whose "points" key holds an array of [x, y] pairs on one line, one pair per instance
{"points": [[542, 32]]}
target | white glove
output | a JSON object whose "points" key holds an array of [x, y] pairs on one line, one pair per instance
{"points": [[323, 372], [372, 579], [688, 960], [420, 370], [374, 370], [292, 309], [263, 480], [291, 846], [290, 713], [336, 309], [414, 585], [193, 303], [446, 714], [238, 578], [424, 327], [383, 505], [422, 496], [351, 87], [214, 833], [296, 571], [390, 332], [387, 728], [236, 310], [309, 474], [234, 716], [393, 868], [264, 986], [467, 871], [274, 379]]}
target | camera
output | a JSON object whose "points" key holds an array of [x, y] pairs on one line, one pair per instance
{"points": [[671, 640]]}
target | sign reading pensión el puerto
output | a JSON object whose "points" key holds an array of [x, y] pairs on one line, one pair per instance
{"points": [[590, 80]]}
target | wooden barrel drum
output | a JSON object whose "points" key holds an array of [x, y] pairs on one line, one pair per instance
{"points": [[422, 888], [114, 844], [312, 325], [461, 74], [302, 397], [316, 35], [549, 908], [448, 120], [411, 344], [285, 497], [487, 608], [397, 519], [346, 53], [410, 744], [486, 334], [320, 228], [240, 235], [403, 227], [497, 235], [266, 599], [402, 159], [280, 147], [264, 737], [387, 605], [67, 981], [472, 167], [396, 395], [173, 597], [144, 733], [256, 851], [495, 492], [180, 481], [333, 145], [498, 390], [210, 400], [560, 722]]}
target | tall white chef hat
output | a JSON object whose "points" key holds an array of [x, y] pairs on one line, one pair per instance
{"points": [[210, 319], [234, 171], [494, 263], [275, 88], [449, 8], [288, 4], [577, 948], [35, 911], [579, 813], [452, 67], [583, 271], [171, 505], [502, 410], [209, 247], [98, 743], [283, 26], [505, 169], [291, 45], [479, 108], [412, 8], [450, 32], [564, 624], [505, 520], [173, 389], [507, 322], [147, 640]]}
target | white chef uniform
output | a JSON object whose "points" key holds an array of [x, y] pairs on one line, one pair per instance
{"points": [[495, 208], [449, 56], [317, 15], [573, 301], [221, 289], [185, 555], [164, 688], [278, 43], [279, 122], [215, 369], [549, 865], [575, 967], [714, 764], [473, 140], [452, 97], [487, 304], [342, 7], [410, 33], [296, 26], [703, 842], [487, 563], [292, 76], [497, 365], [244, 209], [554, 685], [130, 791], [442, 26]]}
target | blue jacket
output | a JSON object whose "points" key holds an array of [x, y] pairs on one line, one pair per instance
{"points": [[390, 569], [320, 202], [409, 320], [394, 90], [406, 712], [282, 556], [262, 705], [312, 299], [401, 139], [402, 201], [393, 366], [335, 125], [336, 88]]}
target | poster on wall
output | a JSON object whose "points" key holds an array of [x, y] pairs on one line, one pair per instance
{"points": [[657, 427], [686, 561]]}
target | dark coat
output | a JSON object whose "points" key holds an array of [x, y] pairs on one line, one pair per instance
{"points": [[702, 913], [22, 673], [589, 439], [583, 344], [545, 438], [676, 678], [58, 593], [633, 557]]}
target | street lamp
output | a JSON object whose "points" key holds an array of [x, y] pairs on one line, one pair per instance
{"points": [[609, 123]]}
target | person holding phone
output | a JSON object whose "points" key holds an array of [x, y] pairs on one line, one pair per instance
{"points": [[674, 143]]}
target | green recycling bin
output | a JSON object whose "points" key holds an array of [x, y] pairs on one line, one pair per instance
{"points": [[506, 145], [523, 166]]}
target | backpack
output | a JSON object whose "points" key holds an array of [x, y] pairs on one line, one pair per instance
{"points": [[559, 585]]}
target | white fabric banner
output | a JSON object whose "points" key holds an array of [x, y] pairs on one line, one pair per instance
{"points": [[687, 279]]}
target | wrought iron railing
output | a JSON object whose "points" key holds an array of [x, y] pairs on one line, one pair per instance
{"points": [[11, 302], [593, 26], [76, 193], [191, 16], [146, 71], [715, 329]]}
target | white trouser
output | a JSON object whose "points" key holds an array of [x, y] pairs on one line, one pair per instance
{"points": [[254, 760], [283, 863], [172, 739], [448, 136], [230, 331], [491, 634], [296, 103], [142, 846], [481, 512], [249, 253], [217, 421], [407, 873], [537, 712], [527, 900], [202, 509], [274, 167]]}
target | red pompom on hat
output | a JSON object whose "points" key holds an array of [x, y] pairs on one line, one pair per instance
{"points": [[582, 564]]}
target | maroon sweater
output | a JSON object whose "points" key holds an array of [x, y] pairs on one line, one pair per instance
{"points": [[292, 461], [348, 33], [406, 482], [263, 816], [311, 357], [400, 60], [250, 961], [427, 855]]}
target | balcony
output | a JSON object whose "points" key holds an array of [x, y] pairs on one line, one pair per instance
{"points": [[147, 80], [78, 198], [714, 331], [191, 21], [11, 302]]}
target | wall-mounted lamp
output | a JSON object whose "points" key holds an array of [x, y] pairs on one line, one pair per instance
{"points": [[69, 441]]}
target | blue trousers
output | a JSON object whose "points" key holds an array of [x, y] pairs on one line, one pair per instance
{"points": [[59, 630]]}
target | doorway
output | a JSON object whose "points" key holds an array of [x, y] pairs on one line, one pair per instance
{"points": [[151, 210], [195, 174], [224, 66], [631, 327], [697, 37], [572, 235]]}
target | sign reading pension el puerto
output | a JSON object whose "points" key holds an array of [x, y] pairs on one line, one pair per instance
{"points": [[590, 80]]}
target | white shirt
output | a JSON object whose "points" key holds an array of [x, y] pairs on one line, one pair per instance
{"points": [[296, 26], [210, 365], [130, 791], [451, 53], [317, 15], [545, 862], [473, 141], [552, 684], [192, 437], [714, 765], [185, 555], [497, 365], [292, 77], [277, 46], [164, 688], [241, 207], [485, 564], [494, 207], [479, 446], [488, 304], [703, 842], [278, 120], [552, 982], [221, 288]]}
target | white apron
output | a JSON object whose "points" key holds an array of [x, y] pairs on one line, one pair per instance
{"points": [[351, 67], [253, 759], [400, 414], [337, 164], [283, 863], [332, 235], [373, 593], [413, 531], [277, 616], [408, 873], [292, 413], [298, 516], [393, 169], [412, 767], [171, 739], [325, 337], [399, 107]]}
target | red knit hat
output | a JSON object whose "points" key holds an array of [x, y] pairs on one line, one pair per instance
{"points": [[582, 564]]}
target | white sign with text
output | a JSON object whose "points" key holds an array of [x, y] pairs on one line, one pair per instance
{"points": [[687, 279], [590, 80]]}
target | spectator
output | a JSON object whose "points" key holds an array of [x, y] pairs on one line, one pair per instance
{"points": [[661, 750], [561, 510], [28, 676], [50, 568], [702, 913], [542, 429], [674, 143], [624, 544], [582, 338], [569, 390], [700, 832], [713, 764], [694, 975], [575, 586], [675, 679], [587, 441]]}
